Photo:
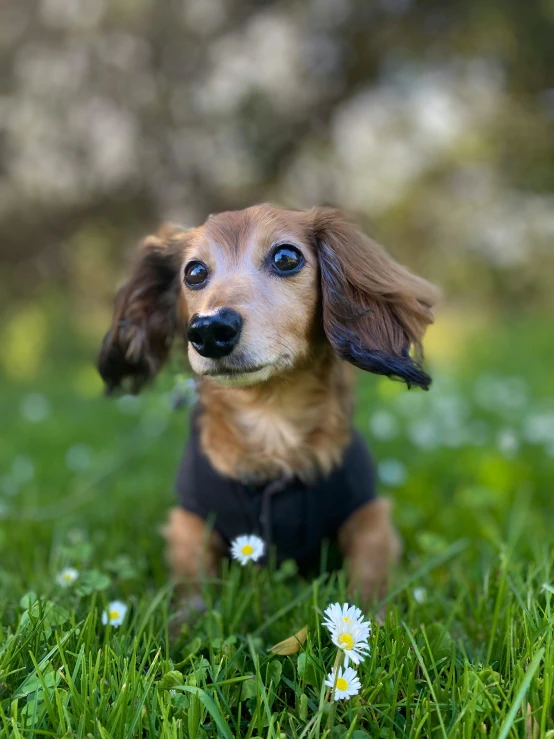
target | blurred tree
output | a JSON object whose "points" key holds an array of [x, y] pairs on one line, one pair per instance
{"points": [[432, 120]]}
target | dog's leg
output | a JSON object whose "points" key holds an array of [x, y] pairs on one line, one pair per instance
{"points": [[192, 550], [370, 545]]}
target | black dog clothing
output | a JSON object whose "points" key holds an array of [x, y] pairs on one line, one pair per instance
{"points": [[292, 516]]}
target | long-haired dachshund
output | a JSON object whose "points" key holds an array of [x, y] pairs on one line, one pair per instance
{"points": [[275, 306]]}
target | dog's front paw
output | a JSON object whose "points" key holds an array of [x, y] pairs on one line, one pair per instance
{"points": [[188, 609], [371, 547]]}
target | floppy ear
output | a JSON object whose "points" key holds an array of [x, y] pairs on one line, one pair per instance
{"points": [[375, 311], [145, 317]]}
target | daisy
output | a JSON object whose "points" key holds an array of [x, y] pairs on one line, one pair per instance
{"points": [[337, 615], [349, 631], [246, 548], [115, 614], [353, 642], [67, 576], [346, 683]]}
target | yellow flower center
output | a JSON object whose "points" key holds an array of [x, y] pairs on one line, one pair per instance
{"points": [[346, 641], [114, 615], [67, 577], [248, 549], [342, 684]]}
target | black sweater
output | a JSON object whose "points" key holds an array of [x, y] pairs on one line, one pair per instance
{"points": [[293, 516]]}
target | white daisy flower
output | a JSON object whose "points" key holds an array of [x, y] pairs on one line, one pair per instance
{"points": [[392, 472], [349, 631], [23, 469], [35, 407], [507, 442], [353, 642], [67, 576], [115, 615], [346, 683], [384, 425], [337, 615], [247, 548]]}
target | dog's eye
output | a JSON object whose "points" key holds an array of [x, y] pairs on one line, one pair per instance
{"points": [[196, 274], [286, 259]]}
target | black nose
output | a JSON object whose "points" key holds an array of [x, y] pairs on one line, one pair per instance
{"points": [[216, 335]]}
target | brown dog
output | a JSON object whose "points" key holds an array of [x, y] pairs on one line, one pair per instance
{"points": [[276, 305]]}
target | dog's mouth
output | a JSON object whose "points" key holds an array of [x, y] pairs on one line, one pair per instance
{"points": [[231, 371], [241, 370], [237, 375]]}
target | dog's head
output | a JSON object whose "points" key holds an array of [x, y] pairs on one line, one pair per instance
{"points": [[255, 292]]}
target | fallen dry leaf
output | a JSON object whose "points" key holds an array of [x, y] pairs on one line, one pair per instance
{"points": [[292, 644]]}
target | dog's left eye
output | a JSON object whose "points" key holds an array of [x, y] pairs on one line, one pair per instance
{"points": [[286, 259], [196, 274]]}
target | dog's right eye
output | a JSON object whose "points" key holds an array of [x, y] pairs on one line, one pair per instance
{"points": [[286, 259], [196, 274]]}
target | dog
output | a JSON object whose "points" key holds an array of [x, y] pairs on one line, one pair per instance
{"points": [[276, 308]]}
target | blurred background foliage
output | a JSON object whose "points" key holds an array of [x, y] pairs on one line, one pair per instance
{"points": [[432, 120]]}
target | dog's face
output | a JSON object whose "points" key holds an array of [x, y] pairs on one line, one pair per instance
{"points": [[249, 295], [255, 291]]}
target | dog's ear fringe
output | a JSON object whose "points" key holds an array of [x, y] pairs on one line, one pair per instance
{"points": [[145, 318], [404, 369], [375, 311]]}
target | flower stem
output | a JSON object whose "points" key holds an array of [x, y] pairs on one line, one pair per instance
{"points": [[254, 582], [338, 662]]}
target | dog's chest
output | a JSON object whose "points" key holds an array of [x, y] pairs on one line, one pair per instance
{"points": [[295, 429], [294, 515], [271, 433]]}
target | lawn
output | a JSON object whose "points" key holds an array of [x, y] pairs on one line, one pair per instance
{"points": [[465, 648]]}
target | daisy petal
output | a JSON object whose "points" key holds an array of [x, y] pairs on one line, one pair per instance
{"points": [[115, 614], [247, 548], [345, 682], [67, 577]]}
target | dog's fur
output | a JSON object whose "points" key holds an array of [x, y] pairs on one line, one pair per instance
{"points": [[350, 304]]}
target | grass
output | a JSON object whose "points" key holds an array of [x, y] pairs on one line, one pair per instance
{"points": [[465, 649]]}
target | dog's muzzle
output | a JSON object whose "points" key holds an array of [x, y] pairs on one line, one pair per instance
{"points": [[215, 335]]}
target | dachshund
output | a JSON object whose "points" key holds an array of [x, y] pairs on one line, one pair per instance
{"points": [[276, 307]]}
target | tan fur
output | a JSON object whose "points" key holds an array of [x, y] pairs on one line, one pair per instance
{"points": [[281, 403], [192, 550], [374, 310], [295, 424], [370, 546], [280, 315], [397, 303]]}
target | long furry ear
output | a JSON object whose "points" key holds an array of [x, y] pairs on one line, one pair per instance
{"points": [[375, 311], [145, 317]]}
